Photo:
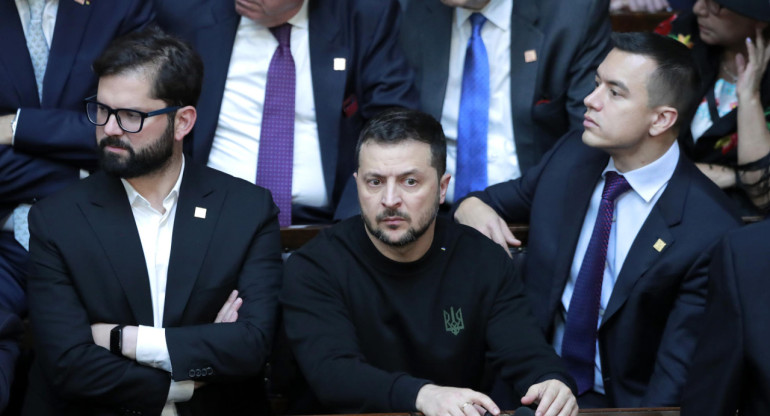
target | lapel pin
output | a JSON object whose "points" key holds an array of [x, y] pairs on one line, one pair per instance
{"points": [[339, 64], [200, 212], [659, 245], [530, 56]]}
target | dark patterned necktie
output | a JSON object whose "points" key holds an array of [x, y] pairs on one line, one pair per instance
{"points": [[579, 344], [276, 142]]}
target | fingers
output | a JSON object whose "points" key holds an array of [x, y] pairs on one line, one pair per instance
{"points": [[554, 398], [229, 311], [435, 400], [509, 237]]}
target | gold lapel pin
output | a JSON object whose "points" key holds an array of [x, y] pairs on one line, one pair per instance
{"points": [[339, 64], [530, 56], [659, 245], [200, 212]]}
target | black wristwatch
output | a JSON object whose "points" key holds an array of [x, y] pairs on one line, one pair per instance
{"points": [[116, 340]]}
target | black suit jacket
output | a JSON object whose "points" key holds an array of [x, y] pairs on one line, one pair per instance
{"points": [[88, 266], [376, 77], [731, 368], [650, 326], [570, 39]]}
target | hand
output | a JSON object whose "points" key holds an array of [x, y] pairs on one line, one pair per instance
{"points": [[553, 398], [6, 131], [475, 213], [229, 311], [433, 400], [750, 73]]}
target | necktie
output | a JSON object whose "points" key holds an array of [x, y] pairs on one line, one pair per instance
{"points": [[38, 48], [276, 144], [20, 225], [473, 120], [579, 344]]}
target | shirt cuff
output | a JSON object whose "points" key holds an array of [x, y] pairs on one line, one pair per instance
{"points": [[13, 126], [180, 391], [151, 348]]}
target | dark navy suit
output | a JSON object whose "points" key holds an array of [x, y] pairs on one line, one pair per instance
{"points": [[731, 368], [649, 329], [570, 39], [377, 76]]}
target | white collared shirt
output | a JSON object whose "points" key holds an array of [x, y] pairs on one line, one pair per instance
{"points": [[236, 142], [631, 211], [502, 161], [156, 231]]}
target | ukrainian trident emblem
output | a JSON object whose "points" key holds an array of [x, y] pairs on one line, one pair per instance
{"points": [[453, 321]]}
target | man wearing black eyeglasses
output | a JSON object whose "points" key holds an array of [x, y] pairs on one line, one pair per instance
{"points": [[155, 280]]}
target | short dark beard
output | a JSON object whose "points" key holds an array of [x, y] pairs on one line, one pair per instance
{"points": [[149, 160], [410, 236]]}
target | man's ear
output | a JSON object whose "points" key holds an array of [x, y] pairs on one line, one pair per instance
{"points": [[443, 186], [184, 121], [664, 119]]}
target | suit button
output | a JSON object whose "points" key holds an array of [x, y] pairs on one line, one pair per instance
{"points": [[198, 372], [209, 371], [192, 373]]}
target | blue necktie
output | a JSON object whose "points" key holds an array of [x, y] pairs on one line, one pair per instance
{"points": [[36, 43], [579, 344], [473, 120]]}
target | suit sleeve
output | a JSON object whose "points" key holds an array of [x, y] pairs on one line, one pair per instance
{"points": [[237, 349], [512, 200], [10, 331], [714, 382], [595, 46], [324, 341], [77, 368], [65, 134], [385, 77], [680, 336]]}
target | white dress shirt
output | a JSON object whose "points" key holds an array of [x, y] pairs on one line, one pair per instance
{"points": [[236, 142], [631, 211], [502, 162], [156, 232]]}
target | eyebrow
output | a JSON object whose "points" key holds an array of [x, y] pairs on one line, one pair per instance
{"points": [[402, 174], [614, 83]]}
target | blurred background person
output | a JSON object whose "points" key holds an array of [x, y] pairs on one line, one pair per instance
{"points": [[729, 137]]}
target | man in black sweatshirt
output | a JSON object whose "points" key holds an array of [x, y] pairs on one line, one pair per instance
{"points": [[386, 311]]}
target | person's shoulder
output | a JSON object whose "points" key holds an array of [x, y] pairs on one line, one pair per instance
{"points": [[224, 181], [751, 240], [705, 201], [470, 243], [77, 192]]}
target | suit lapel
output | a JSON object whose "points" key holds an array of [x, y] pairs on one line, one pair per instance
{"points": [[577, 196], [435, 33], [525, 38], [192, 236], [328, 84], [666, 214], [215, 45], [109, 213], [71, 22], [15, 58]]}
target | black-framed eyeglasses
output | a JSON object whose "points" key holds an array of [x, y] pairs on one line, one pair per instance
{"points": [[130, 121], [712, 6]]}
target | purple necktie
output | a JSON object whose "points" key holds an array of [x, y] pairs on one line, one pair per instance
{"points": [[579, 344], [276, 142]]}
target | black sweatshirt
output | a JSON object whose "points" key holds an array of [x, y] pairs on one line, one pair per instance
{"points": [[369, 332]]}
